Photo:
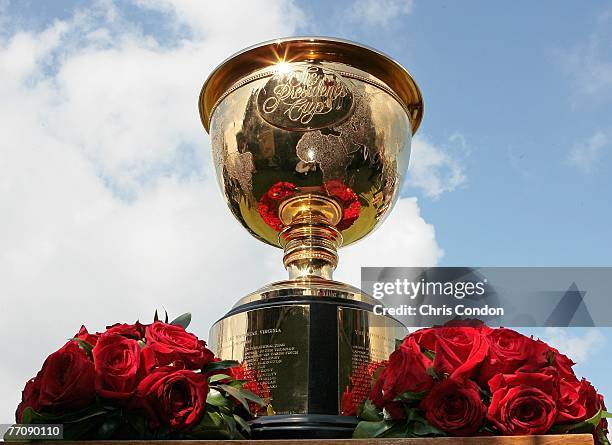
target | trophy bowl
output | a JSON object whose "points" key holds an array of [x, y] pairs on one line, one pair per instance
{"points": [[310, 141]]}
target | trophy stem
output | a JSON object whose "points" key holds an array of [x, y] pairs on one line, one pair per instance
{"points": [[310, 239]]}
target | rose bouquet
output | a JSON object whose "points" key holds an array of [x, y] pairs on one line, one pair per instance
{"points": [[139, 381], [466, 379]]}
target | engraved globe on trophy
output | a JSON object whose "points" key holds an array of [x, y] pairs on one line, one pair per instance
{"points": [[310, 141]]}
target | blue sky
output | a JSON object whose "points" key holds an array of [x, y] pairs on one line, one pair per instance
{"points": [[108, 166]]}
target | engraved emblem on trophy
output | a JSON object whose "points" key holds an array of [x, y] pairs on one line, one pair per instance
{"points": [[310, 141]]}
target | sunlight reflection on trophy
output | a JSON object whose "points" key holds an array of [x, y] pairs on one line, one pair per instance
{"points": [[310, 142]]}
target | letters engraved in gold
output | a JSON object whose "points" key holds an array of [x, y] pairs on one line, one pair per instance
{"points": [[306, 98]]}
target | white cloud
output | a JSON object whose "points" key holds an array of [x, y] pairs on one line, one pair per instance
{"points": [[586, 154], [580, 346], [108, 208], [590, 63], [404, 239], [437, 169], [379, 12]]}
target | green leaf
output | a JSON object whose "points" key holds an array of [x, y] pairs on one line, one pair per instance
{"points": [[243, 424], [586, 426], [108, 427], [165, 316], [76, 424], [408, 396], [137, 422], [85, 346], [69, 417], [429, 354], [425, 429], [366, 429], [210, 427], [219, 366], [216, 398], [237, 394], [550, 358], [230, 422], [249, 395], [216, 377], [432, 372], [142, 344], [369, 412], [398, 430], [603, 437], [156, 316], [27, 415], [182, 320]]}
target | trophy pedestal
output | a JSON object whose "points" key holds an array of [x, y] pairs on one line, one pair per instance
{"points": [[306, 343], [303, 426]]}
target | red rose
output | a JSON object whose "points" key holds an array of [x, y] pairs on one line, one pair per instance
{"points": [[578, 401], [458, 350], [509, 351], [134, 331], [563, 364], [602, 428], [65, 382], [29, 398], [119, 366], [455, 407], [172, 397], [523, 403], [172, 343], [86, 336], [406, 371]]}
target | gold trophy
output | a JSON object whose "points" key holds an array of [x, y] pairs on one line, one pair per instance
{"points": [[310, 142]]}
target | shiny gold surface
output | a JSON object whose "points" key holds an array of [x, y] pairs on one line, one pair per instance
{"points": [[310, 142], [310, 287], [242, 66], [272, 344], [310, 136], [364, 338]]}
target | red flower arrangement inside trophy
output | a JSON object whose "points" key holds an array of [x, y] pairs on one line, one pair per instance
{"points": [[344, 195], [467, 379], [141, 381]]}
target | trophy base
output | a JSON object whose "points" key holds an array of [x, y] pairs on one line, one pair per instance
{"points": [[313, 346], [303, 426]]}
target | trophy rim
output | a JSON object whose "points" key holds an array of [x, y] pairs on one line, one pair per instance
{"points": [[311, 48]]}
